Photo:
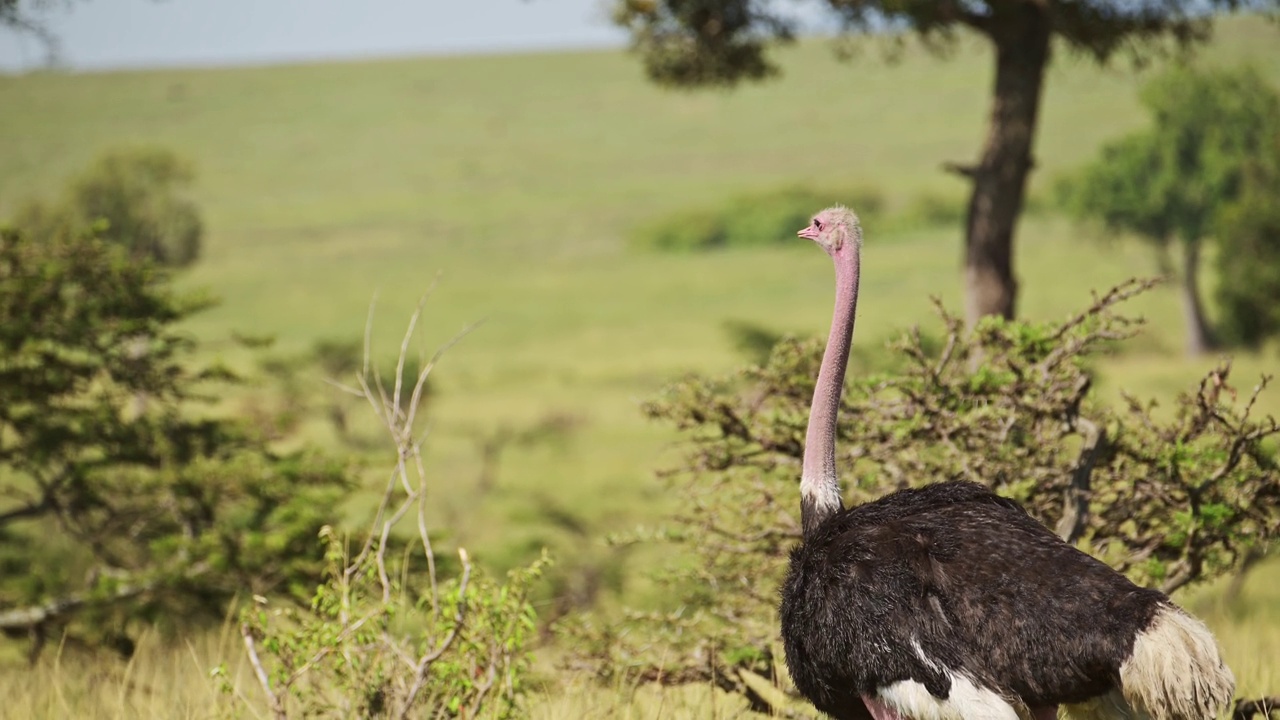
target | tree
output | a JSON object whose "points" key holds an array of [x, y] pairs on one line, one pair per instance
{"points": [[136, 193], [1168, 498], [124, 498], [26, 20], [691, 43], [1249, 260], [1174, 182]]}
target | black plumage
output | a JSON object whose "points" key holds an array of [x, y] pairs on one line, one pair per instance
{"points": [[973, 581]]}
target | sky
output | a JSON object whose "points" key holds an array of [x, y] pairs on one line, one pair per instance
{"points": [[113, 34]]}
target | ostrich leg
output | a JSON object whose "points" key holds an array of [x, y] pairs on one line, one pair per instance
{"points": [[880, 711]]}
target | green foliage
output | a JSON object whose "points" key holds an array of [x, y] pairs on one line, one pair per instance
{"points": [[750, 220], [136, 194], [688, 230], [1249, 262], [772, 218], [373, 646], [931, 210], [690, 43], [1173, 180], [1179, 180], [701, 42], [391, 632], [1117, 189], [125, 500], [1168, 500]]}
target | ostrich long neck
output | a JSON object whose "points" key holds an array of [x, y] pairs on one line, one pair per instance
{"points": [[819, 486]]}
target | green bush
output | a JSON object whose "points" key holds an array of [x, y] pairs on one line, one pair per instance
{"points": [[685, 231], [933, 209], [751, 220], [394, 630], [134, 198]]}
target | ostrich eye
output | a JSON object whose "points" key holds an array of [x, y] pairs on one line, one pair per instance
{"points": [[817, 223]]}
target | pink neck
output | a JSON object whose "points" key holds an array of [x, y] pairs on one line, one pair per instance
{"points": [[819, 486]]}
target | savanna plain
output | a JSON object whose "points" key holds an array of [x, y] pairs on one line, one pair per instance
{"points": [[513, 184]]}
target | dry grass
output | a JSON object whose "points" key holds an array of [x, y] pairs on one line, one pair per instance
{"points": [[167, 680]]}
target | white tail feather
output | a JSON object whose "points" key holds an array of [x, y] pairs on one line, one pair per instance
{"points": [[1176, 671]]}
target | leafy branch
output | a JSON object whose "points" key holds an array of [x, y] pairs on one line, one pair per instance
{"points": [[391, 632]]}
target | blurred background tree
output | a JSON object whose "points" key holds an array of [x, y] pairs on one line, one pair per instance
{"points": [[1214, 141], [136, 193], [693, 43], [27, 17], [1249, 264]]}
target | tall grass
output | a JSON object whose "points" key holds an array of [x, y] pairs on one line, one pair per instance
{"points": [[167, 679]]}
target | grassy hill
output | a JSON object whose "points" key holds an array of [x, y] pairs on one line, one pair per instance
{"points": [[517, 178]]}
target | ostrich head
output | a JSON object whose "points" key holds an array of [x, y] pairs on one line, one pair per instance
{"points": [[836, 229]]}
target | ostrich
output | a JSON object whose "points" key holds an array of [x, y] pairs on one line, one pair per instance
{"points": [[949, 602]]}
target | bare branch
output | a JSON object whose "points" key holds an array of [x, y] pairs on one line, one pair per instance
{"points": [[964, 170], [404, 343], [1075, 501], [424, 664], [277, 704], [30, 510], [60, 608]]}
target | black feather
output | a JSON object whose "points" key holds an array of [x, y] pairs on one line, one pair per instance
{"points": [[973, 582]]}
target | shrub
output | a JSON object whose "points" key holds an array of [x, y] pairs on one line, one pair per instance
{"points": [[750, 220], [931, 210], [682, 232], [1167, 500], [136, 196], [392, 632]]}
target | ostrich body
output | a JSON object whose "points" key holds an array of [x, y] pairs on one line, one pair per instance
{"points": [[948, 602]]}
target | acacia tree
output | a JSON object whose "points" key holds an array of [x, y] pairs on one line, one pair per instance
{"points": [[690, 43], [1214, 135]]}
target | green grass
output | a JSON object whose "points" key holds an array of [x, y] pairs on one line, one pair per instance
{"points": [[517, 179]]}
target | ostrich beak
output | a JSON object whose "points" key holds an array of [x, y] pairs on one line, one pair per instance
{"points": [[809, 232]]}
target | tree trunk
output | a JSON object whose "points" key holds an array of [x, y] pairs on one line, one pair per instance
{"points": [[1020, 34], [1199, 337]]}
